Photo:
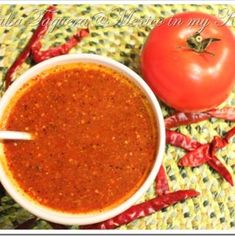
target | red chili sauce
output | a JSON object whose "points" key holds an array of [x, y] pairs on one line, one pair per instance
{"points": [[95, 138]]}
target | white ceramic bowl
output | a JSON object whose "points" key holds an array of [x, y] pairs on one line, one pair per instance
{"points": [[67, 218]]}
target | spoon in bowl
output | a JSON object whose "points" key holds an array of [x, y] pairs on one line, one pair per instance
{"points": [[15, 135]]}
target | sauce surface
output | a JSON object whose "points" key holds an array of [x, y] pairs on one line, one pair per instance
{"points": [[95, 138]]}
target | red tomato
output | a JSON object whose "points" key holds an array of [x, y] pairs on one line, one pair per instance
{"points": [[185, 69]]}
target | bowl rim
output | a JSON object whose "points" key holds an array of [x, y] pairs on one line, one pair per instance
{"points": [[54, 215]]}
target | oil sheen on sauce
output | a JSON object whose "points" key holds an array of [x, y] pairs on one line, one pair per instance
{"points": [[95, 138]]}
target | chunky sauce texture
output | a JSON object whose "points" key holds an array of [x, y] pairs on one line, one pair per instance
{"points": [[95, 138]]}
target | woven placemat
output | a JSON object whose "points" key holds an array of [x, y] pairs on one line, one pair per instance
{"points": [[214, 208]]}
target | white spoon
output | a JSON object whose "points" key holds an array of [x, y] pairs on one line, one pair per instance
{"points": [[15, 135]]}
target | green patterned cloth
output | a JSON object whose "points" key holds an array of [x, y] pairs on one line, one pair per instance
{"points": [[215, 207]]}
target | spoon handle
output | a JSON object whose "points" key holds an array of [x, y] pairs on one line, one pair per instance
{"points": [[15, 135]]}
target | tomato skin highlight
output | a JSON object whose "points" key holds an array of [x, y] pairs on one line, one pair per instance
{"points": [[184, 79]]}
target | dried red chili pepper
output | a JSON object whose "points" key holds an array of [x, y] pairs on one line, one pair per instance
{"points": [[182, 118], [39, 55], [179, 140], [226, 113], [229, 134], [196, 157], [144, 209], [162, 186], [37, 35], [220, 142], [218, 166], [217, 143], [203, 154]]}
